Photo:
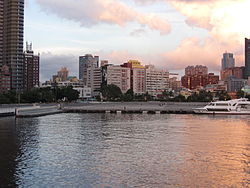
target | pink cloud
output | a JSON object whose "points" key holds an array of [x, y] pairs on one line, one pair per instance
{"points": [[194, 51], [92, 12]]}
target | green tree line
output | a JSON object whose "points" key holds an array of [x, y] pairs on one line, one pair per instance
{"points": [[113, 93], [37, 95]]}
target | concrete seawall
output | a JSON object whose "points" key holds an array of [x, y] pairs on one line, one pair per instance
{"points": [[37, 111], [133, 107], [98, 107]]}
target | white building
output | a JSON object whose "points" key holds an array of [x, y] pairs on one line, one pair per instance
{"points": [[156, 81], [84, 92], [94, 80], [119, 76]]}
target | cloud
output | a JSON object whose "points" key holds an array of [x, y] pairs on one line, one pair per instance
{"points": [[93, 12], [51, 63], [137, 32], [195, 51]]}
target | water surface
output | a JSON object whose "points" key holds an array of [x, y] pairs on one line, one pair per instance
{"points": [[125, 150]]}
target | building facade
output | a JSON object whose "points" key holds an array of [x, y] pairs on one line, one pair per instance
{"points": [[156, 81], [247, 58], [31, 68], [227, 61], [237, 72], [63, 74], [94, 80], [138, 76], [119, 76], [198, 81], [235, 84], [11, 40], [196, 70], [5, 79], [86, 62]]}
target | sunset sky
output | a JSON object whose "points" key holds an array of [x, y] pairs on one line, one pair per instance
{"points": [[170, 34]]}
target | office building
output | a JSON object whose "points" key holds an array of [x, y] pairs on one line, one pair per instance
{"points": [[11, 41], [31, 68], [86, 62], [247, 58], [227, 61]]}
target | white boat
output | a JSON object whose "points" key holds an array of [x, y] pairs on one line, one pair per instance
{"points": [[231, 107]]}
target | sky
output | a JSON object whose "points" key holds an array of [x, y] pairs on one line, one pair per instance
{"points": [[170, 34]]}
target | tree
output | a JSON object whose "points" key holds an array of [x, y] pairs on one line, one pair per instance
{"points": [[223, 96], [128, 96], [240, 94], [111, 92], [67, 93]]}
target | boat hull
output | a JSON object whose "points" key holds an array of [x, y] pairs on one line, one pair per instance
{"points": [[222, 112]]}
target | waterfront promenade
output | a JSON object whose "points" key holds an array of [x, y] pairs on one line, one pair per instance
{"points": [[36, 110], [133, 107]]}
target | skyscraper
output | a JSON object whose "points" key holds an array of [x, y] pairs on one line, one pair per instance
{"points": [[247, 58], [31, 68], [86, 62], [227, 61], [11, 40]]}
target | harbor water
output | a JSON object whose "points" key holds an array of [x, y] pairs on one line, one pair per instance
{"points": [[125, 150]]}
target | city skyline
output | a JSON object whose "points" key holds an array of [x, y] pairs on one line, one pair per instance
{"points": [[164, 33]]}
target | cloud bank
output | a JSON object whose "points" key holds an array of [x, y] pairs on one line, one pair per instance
{"points": [[93, 12], [225, 20]]}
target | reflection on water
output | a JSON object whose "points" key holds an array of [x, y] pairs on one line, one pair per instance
{"points": [[133, 150], [8, 152]]}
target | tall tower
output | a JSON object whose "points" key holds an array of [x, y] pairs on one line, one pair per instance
{"points": [[227, 61], [31, 68], [85, 62], [247, 58], [11, 40]]}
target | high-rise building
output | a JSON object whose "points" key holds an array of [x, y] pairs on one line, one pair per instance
{"points": [[237, 72], [227, 61], [117, 75], [137, 76], [94, 80], [11, 40], [86, 62], [31, 68], [4, 79], [197, 81], [196, 70], [156, 81], [247, 58]]}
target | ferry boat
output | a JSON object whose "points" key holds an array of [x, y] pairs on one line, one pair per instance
{"points": [[231, 107]]}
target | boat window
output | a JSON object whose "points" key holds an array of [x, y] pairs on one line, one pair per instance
{"points": [[222, 104]]}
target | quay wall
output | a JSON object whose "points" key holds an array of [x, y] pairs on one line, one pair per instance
{"points": [[133, 107]]}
